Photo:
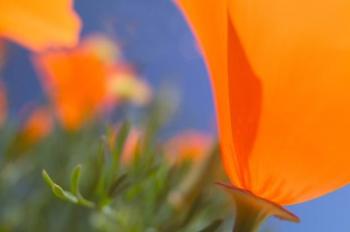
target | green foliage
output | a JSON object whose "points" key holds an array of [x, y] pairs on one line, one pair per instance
{"points": [[73, 196], [103, 193]]}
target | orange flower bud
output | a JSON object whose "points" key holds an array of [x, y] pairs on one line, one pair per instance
{"points": [[130, 146], [38, 125], [189, 145]]}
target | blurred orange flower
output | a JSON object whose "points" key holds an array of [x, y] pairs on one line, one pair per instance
{"points": [[188, 145], [39, 24], [130, 146], [75, 82], [280, 74], [3, 104], [38, 125], [81, 81]]}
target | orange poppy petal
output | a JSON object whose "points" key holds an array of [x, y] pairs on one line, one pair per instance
{"points": [[299, 53], [39, 24], [76, 82], [209, 22], [38, 125]]}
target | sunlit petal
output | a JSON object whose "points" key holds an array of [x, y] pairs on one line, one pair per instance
{"points": [[300, 52], [280, 73], [39, 24], [209, 21]]}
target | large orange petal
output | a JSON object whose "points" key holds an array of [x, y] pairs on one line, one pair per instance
{"points": [[209, 22], [299, 53], [39, 24]]}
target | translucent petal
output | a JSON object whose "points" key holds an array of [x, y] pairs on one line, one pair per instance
{"points": [[209, 21], [282, 92], [299, 51]]}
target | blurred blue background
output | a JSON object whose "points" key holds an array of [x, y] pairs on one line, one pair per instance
{"points": [[155, 38]]}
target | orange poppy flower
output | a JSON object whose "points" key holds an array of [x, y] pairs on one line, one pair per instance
{"points": [[82, 80], [38, 125], [280, 74], [75, 82], [188, 145], [39, 24]]}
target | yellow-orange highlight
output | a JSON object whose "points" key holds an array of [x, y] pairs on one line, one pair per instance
{"points": [[39, 24], [280, 75]]}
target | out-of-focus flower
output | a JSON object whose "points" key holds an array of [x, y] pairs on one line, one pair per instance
{"points": [[39, 24], [123, 85], [130, 146], [37, 126], [104, 47], [202, 151], [3, 104], [189, 145], [75, 82], [280, 74], [81, 81]]}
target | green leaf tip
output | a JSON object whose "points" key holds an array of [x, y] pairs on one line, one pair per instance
{"points": [[64, 195], [47, 178], [74, 196], [58, 190], [75, 180]]}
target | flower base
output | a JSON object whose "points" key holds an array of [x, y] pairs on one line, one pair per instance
{"points": [[252, 210]]}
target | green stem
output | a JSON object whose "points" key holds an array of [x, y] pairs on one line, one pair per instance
{"points": [[252, 211], [248, 218]]}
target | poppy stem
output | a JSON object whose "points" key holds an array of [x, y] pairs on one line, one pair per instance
{"points": [[251, 211], [248, 217]]}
